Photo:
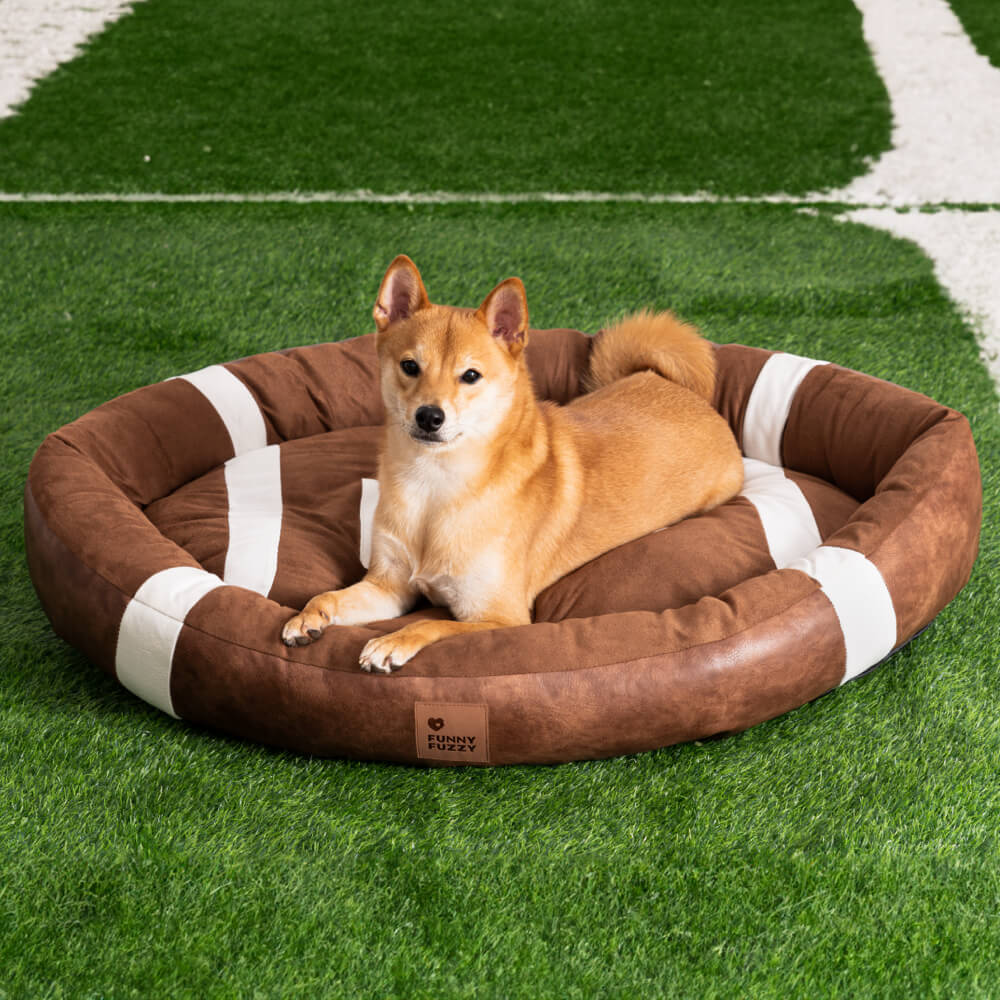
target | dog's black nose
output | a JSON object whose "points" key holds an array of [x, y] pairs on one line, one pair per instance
{"points": [[429, 418]]}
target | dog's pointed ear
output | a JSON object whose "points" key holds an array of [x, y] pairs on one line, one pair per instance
{"points": [[401, 293], [505, 313]]}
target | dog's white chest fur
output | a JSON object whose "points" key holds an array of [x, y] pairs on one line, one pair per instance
{"points": [[468, 589], [460, 569]]}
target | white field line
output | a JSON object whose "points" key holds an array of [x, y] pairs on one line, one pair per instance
{"points": [[36, 36], [422, 198], [965, 249], [362, 197], [945, 99]]}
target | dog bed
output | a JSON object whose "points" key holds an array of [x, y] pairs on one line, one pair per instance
{"points": [[171, 532]]}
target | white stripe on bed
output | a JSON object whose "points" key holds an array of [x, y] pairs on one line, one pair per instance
{"points": [[861, 600], [785, 515], [235, 405], [149, 629], [769, 404], [369, 501], [253, 483]]}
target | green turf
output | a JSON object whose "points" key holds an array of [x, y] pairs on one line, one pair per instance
{"points": [[643, 95], [846, 849], [981, 20]]}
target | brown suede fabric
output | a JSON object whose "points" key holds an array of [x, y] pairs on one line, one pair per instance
{"points": [[850, 429], [320, 541], [683, 634], [737, 370], [319, 547]]}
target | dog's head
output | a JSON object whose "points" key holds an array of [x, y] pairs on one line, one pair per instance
{"points": [[448, 373]]}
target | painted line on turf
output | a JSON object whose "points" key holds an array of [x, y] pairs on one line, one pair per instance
{"points": [[945, 101], [945, 97], [463, 198], [965, 250], [37, 36], [945, 143]]}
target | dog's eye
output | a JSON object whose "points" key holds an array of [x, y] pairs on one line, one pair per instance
{"points": [[470, 375], [410, 367]]}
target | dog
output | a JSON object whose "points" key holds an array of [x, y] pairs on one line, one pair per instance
{"points": [[487, 494]]}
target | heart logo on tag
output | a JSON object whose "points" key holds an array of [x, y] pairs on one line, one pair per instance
{"points": [[436, 724]]}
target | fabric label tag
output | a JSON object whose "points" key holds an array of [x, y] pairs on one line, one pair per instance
{"points": [[456, 733]]}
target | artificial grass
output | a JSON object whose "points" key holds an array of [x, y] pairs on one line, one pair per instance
{"points": [[981, 20], [179, 96], [847, 848]]}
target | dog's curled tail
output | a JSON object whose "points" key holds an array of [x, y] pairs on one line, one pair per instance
{"points": [[659, 342]]}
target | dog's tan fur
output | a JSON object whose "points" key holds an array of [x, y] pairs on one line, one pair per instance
{"points": [[518, 492]]}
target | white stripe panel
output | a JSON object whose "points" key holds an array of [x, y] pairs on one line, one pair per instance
{"points": [[235, 405], [149, 629], [862, 601], [253, 482], [788, 521], [369, 501], [769, 404]]}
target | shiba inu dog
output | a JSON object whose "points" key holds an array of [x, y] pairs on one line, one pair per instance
{"points": [[488, 495]]}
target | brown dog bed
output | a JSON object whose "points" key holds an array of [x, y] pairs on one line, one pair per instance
{"points": [[171, 533]]}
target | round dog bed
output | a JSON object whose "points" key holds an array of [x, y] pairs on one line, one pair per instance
{"points": [[171, 532]]}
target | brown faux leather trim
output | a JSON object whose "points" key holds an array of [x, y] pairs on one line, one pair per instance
{"points": [[252, 625], [611, 708]]}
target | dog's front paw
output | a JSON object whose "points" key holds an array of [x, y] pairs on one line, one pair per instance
{"points": [[305, 627], [389, 652]]}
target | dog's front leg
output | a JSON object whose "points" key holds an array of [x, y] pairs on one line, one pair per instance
{"points": [[373, 599], [389, 652]]}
